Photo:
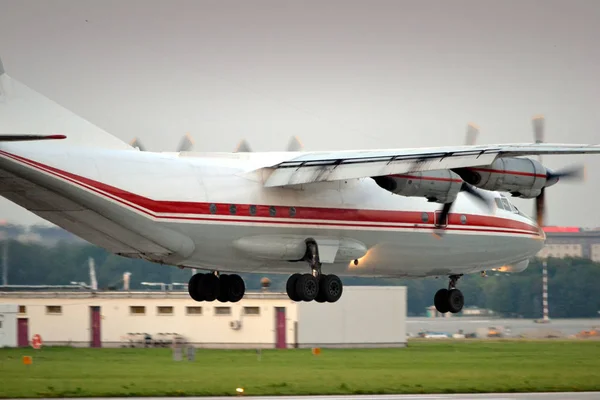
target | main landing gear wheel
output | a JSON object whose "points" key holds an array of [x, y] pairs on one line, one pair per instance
{"points": [[315, 286], [451, 299], [210, 287]]}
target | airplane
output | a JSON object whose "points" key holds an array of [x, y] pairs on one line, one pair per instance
{"points": [[316, 215]]}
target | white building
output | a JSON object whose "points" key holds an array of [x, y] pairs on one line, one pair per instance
{"points": [[364, 316]]}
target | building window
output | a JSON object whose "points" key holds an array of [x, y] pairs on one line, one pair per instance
{"points": [[53, 309], [137, 310], [222, 310], [251, 311], [164, 310], [193, 310], [22, 309]]}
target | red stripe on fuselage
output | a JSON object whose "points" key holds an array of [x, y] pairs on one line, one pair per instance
{"points": [[314, 215]]}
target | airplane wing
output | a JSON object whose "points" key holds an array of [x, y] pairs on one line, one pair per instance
{"points": [[340, 165]]}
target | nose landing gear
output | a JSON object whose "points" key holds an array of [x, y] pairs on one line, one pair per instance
{"points": [[451, 299], [314, 286]]}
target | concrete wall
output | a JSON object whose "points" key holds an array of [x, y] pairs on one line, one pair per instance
{"points": [[8, 325], [365, 316]]}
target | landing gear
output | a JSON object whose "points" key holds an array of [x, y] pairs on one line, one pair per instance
{"points": [[211, 287], [314, 286], [451, 299]]}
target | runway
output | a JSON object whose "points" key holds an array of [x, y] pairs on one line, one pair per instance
{"points": [[481, 396]]}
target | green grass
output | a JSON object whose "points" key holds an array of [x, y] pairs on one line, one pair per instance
{"points": [[423, 367]]}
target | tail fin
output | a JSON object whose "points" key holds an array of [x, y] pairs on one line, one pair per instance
{"points": [[25, 114]]}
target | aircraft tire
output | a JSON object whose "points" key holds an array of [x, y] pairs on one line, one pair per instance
{"points": [[307, 287], [455, 301], [236, 288], [290, 287], [331, 288], [209, 287], [195, 294], [440, 301], [224, 283]]}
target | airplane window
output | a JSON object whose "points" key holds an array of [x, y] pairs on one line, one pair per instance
{"points": [[213, 208], [506, 204], [292, 211], [252, 210], [272, 211], [232, 209], [424, 217], [463, 219]]}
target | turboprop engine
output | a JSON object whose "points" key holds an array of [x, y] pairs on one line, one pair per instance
{"points": [[436, 186], [522, 177]]}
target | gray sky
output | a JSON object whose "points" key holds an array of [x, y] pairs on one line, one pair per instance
{"points": [[339, 74]]}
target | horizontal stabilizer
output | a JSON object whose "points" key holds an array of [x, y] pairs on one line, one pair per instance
{"points": [[26, 138]]}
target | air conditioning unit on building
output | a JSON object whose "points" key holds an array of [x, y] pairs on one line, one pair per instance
{"points": [[235, 325]]}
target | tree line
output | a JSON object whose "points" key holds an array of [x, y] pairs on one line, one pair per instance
{"points": [[572, 283]]}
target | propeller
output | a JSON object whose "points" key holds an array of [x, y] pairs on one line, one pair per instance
{"points": [[293, 145], [243, 147], [472, 134], [470, 190], [137, 143], [186, 144], [573, 173]]}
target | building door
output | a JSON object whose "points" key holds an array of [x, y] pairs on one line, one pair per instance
{"points": [[95, 326], [280, 341], [22, 332]]}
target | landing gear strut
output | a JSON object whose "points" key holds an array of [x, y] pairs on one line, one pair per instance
{"points": [[314, 286], [212, 286], [451, 299]]}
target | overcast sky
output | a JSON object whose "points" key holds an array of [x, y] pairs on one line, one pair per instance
{"points": [[339, 74]]}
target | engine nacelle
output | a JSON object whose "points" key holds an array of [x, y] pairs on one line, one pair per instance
{"points": [[438, 186], [522, 177]]}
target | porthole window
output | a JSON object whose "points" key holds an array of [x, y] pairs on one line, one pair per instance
{"points": [[272, 211], [292, 211], [232, 209], [463, 219], [252, 210], [425, 217], [213, 208]]}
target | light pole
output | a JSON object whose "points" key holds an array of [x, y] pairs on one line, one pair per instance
{"points": [[545, 290]]}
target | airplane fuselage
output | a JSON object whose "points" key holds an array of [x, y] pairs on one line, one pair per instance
{"points": [[208, 212]]}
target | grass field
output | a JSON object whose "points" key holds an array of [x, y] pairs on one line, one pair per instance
{"points": [[423, 367]]}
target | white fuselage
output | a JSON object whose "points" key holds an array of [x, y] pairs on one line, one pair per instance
{"points": [[191, 209]]}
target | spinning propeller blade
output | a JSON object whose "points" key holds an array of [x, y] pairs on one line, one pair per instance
{"points": [[574, 173]]}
